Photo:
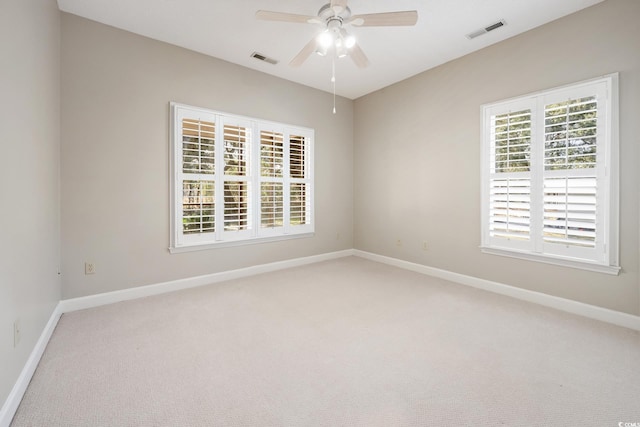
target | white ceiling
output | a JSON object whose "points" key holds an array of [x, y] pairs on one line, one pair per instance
{"points": [[227, 29]]}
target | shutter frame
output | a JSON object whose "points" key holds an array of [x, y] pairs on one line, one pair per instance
{"points": [[580, 195], [243, 185]]}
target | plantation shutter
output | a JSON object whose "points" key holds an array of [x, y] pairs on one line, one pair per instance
{"points": [[572, 213], [549, 192], [236, 147], [237, 179], [510, 178], [300, 179], [570, 210], [195, 164], [271, 181]]}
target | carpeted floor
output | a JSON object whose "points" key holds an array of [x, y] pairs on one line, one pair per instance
{"points": [[347, 342]]}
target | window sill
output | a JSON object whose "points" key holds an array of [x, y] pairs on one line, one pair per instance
{"points": [[563, 262], [232, 243]]}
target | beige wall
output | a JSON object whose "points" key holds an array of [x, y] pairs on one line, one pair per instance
{"points": [[29, 184], [417, 148], [414, 176], [115, 141]]}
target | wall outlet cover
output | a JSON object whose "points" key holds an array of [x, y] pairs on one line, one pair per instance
{"points": [[89, 268]]}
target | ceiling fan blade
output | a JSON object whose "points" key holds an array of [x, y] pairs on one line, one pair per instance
{"points": [[268, 15], [358, 56], [387, 19], [338, 6], [304, 53]]}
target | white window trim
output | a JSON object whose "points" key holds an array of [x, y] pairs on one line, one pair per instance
{"points": [[611, 229], [257, 234]]}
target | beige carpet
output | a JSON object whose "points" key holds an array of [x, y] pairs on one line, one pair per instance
{"points": [[347, 342]]}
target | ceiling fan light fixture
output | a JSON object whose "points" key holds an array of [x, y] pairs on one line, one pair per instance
{"points": [[335, 39], [325, 39], [321, 50], [349, 41], [341, 50]]}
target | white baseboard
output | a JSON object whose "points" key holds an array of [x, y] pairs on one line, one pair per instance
{"points": [[598, 313], [10, 406], [90, 301]]}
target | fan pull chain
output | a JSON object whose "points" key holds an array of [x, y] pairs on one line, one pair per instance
{"points": [[333, 80]]}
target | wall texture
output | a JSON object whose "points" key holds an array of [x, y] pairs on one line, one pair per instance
{"points": [[417, 153], [414, 175], [115, 163], [29, 177]]}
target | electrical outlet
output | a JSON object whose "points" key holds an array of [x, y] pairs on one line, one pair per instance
{"points": [[89, 268], [337, 236], [398, 242], [16, 332], [425, 247]]}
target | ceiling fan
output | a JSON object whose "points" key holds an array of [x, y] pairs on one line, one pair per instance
{"points": [[333, 17]]}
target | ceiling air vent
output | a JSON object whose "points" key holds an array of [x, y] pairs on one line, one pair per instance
{"points": [[264, 58], [485, 30]]}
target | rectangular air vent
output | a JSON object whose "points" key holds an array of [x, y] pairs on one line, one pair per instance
{"points": [[485, 30], [264, 58]]}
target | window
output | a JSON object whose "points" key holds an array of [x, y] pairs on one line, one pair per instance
{"points": [[237, 180], [549, 176]]}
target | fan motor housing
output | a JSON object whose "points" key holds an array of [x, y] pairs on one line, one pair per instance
{"points": [[327, 14]]}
